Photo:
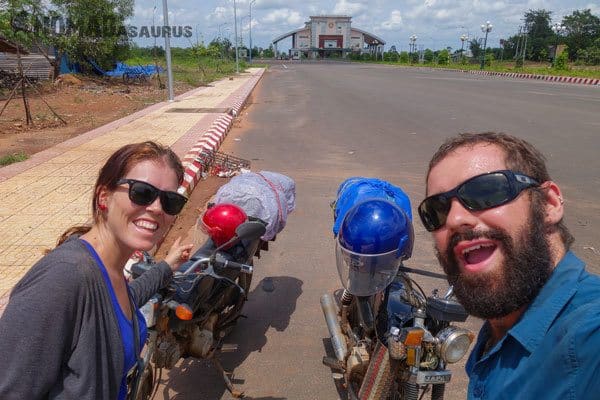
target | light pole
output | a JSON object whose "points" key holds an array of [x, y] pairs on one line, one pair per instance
{"points": [[376, 43], [168, 50], [219, 29], [413, 45], [487, 28], [250, 59], [463, 39], [557, 28], [237, 62]]}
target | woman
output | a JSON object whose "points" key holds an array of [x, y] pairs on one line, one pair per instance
{"points": [[67, 331]]}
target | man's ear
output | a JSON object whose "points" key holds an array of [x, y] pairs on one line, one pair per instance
{"points": [[554, 203]]}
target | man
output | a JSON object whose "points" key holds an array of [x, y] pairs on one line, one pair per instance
{"points": [[496, 219]]}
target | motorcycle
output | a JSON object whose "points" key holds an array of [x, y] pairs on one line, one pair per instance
{"points": [[195, 312], [391, 340]]}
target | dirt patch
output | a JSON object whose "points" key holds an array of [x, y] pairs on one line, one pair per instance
{"points": [[84, 106]]}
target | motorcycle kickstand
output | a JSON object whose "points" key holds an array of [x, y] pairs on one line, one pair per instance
{"points": [[234, 392]]}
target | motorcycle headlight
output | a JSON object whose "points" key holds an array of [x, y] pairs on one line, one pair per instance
{"points": [[453, 343]]}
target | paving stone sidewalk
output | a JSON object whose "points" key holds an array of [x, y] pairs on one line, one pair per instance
{"points": [[41, 197]]}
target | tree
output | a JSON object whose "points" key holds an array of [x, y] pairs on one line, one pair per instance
{"points": [[591, 54], [268, 53], [475, 47], [510, 46], [95, 30], [444, 57], [404, 58], [582, 28], [539, 32], [428, 56]]}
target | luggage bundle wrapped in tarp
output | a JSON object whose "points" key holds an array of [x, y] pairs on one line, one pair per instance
{"points": [[266, 195], [358, 189]]}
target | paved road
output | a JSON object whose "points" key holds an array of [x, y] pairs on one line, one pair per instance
{"points": [[323, 123]]}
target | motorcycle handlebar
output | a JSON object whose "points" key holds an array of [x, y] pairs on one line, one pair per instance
{"points": [[243, 268]]}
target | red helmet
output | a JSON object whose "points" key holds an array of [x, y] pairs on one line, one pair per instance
{"points": [[220, 221]]}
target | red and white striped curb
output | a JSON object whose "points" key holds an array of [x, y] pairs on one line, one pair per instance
{"points": [[213, 137], [551, 78]]}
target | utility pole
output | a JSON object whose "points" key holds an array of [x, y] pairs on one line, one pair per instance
{"points": [[525, 33], [237, 62], [487, 29], [168, 49], [252, 2]]}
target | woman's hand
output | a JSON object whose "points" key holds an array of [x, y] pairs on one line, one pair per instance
{"points": [[178, 254]]}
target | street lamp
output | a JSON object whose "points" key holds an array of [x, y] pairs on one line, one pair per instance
{"points": [[376, 43], [557, 28], [219, 29], [487, 28], [250, 59], [237, 62], [413, 46], [463, 39]]}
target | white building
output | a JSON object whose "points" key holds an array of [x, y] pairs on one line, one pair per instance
{"points": [[330, 36]]}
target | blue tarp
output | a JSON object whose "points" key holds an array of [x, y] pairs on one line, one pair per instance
{"points": [[124, 69], [355, 190]]}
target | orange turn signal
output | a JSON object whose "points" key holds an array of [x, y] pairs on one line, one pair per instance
{"points": [[184, 312], [414, 336], [411, 356]]}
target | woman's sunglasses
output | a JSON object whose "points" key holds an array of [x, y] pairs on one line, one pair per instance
{"points": [[476, 194], [144, 194]]}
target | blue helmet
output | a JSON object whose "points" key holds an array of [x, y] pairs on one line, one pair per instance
{"points": [[374, 237]]}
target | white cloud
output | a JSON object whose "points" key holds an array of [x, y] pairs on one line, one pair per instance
{"points": [[348, 8], [394, 22], [284, 15], [219, 14]]}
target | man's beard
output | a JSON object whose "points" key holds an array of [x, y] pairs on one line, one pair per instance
{"points": [[497, 293]]}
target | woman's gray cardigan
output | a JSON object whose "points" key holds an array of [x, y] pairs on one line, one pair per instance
{"points": [[59, 335]]}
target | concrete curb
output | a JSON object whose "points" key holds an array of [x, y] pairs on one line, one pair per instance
{"points": [[551, 78], [214, 136]]}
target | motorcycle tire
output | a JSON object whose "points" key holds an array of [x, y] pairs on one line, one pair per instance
{"points": [[146, 384], [227, 319]]}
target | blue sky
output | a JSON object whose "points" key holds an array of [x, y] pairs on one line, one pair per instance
{"points": [[437, 23]]}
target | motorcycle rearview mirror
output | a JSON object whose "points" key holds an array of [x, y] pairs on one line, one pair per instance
{"points": [[246, 230]]}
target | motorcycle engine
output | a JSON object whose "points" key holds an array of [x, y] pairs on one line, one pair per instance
{"points": [[167, 352], [202, 342], [358, 360]]}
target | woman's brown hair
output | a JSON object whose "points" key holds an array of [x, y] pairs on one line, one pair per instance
{"points": [[117, 166]]}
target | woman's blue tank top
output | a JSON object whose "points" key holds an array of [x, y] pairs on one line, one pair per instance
{"points": [[125, 325]]}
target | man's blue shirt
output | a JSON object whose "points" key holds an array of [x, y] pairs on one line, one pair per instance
{"points": [[553, 351]]}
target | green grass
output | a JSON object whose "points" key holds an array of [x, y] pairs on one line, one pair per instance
{"points": [[529, 68], [13, 158], [194, 71]]}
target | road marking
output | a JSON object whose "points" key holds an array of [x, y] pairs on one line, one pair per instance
{"points": [[284, 66], [547, 94]]}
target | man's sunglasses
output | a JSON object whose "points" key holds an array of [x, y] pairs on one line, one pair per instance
{"points": [[144, 194], [476, 194]]}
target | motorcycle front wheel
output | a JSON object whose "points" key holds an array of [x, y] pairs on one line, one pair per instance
{"points": [[229, 316]]}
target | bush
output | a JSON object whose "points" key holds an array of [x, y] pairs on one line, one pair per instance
{"points": [[366, 57], [444, 57], [489, 57], [590, 55], [404, 57], [519, 62], [428, 55], [391, 56], [561, 62]]}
